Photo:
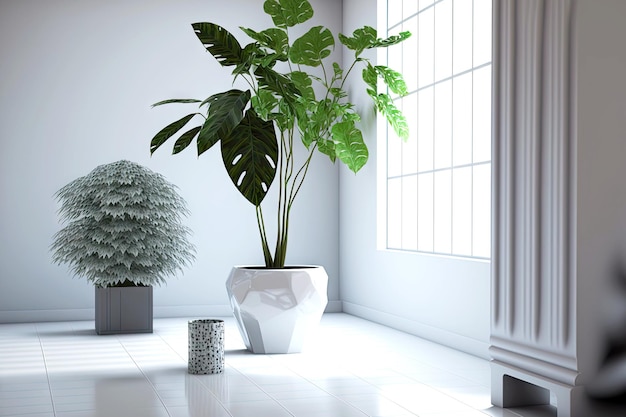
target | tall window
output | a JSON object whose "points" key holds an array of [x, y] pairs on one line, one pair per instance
{"points": [[438, 183]]}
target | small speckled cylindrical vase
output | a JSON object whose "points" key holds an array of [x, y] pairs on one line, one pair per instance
{"points": [[206, 347]]}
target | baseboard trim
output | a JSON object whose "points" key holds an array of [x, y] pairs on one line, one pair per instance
{"points": [[81, 314], [35, 316], [334, 307], [443, 337], [220, 310]]}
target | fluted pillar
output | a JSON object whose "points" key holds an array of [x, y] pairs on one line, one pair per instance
{"points": [[549, 140]]}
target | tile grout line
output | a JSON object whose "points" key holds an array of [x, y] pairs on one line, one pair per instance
{"points": [[167, 411], [265, 392], [324, 390], [377, 388], [45, 364], [440, 390]]}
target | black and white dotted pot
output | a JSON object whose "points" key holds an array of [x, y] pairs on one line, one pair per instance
{"points": [[206, 346]]}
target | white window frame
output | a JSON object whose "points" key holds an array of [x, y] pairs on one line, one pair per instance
{"points": [[383, 176]]}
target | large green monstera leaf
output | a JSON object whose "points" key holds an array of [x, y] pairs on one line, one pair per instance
{"points": [[312, 47], [250, 155]]}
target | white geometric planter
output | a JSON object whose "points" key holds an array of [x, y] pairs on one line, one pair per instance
{"points": [[276, 309]]}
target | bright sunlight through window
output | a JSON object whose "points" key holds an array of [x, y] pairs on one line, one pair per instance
{"points": [[437, 185]]}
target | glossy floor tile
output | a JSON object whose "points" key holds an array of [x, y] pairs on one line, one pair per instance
{"points": [[352, 368]]}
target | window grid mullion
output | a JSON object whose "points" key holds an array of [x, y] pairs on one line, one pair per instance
{"points": [[462, 122], [434, 125], [472, 146], [452, 135]]}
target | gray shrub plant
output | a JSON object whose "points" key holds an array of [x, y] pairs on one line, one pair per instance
{"points": [[123, 227]]}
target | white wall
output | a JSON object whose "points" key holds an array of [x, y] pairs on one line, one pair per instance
{"points": [[439, 298], [77, 79]]}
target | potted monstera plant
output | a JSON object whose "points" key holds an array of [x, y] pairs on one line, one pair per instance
{"points": [[123, 233], [294, 96]]}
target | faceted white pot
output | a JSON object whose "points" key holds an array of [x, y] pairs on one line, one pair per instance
{"points": [[277, 309]]}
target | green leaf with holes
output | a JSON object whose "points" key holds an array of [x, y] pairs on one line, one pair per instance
{"points": [[360, 40], [303, 83], [394, 116], [288, 13], [250, 155], [370, 76], [272, 39], [349, 145], [390, 41], [312, 47], [393, 79]]}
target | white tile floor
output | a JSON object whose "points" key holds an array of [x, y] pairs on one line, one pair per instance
{"points": [[353, 368]]}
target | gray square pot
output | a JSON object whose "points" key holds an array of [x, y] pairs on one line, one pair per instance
{"points": [[123, 310]]}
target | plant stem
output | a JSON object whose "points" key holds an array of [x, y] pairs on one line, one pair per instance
{"points": [[303, 170], [289, 187], [261, 223]]}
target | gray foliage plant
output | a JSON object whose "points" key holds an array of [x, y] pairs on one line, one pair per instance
{"points": [[123, 227]]}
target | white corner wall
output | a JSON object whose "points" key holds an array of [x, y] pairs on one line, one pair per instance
{"points": [[443, 299], [77, 79]]}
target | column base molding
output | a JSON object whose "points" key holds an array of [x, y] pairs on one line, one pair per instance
{"points": [[515, 387], [551, 365]]}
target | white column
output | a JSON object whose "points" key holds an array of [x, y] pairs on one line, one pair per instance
{"points": [[546, 330]]}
